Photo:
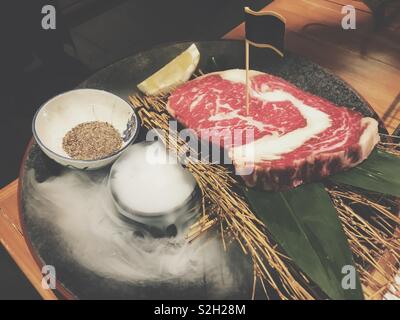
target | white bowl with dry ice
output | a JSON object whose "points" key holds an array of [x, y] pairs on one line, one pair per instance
{"points": [[85, 128]]}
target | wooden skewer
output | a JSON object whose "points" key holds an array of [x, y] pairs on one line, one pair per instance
{"points": [[247, 79]]}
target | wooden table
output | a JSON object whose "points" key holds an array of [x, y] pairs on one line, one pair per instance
{"points": [[368, 60]]}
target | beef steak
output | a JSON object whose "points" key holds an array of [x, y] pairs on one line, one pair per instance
{"points": [[297, 137]]}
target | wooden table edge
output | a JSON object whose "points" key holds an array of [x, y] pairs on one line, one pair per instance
{"points": [[28, 265]]}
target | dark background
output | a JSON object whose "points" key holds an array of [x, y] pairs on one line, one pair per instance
{"points": [[37, 64]]}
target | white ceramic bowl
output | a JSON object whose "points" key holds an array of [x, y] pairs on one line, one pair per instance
{"points": [[65, 111]]}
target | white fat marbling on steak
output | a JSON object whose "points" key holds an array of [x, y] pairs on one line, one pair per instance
{"points": [[231, 113], [271, 147], [195, 103]]}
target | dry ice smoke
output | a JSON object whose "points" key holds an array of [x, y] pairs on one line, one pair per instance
{"points": [[78, 205], [148, 179]]}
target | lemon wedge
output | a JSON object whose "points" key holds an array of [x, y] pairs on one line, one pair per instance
{"points": [[172, 74]]}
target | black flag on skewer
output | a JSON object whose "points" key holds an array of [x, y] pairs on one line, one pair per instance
{"points": [[265, 30]]}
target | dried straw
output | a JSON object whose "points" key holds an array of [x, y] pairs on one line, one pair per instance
{"points": [[374, 237], [370, 236]]}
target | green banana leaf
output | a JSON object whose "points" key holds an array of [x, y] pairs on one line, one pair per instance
{"points": [[306, 225], [380, 173]]}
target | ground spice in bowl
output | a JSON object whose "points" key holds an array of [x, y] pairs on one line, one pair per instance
{"points": [[92, 140]]}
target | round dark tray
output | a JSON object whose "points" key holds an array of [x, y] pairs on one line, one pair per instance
{"points": [[78, 281]]}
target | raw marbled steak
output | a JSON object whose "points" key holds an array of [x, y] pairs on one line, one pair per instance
{"points": [[298, 137]]}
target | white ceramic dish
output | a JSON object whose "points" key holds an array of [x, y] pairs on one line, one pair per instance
{"points": [[65, 111]]}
